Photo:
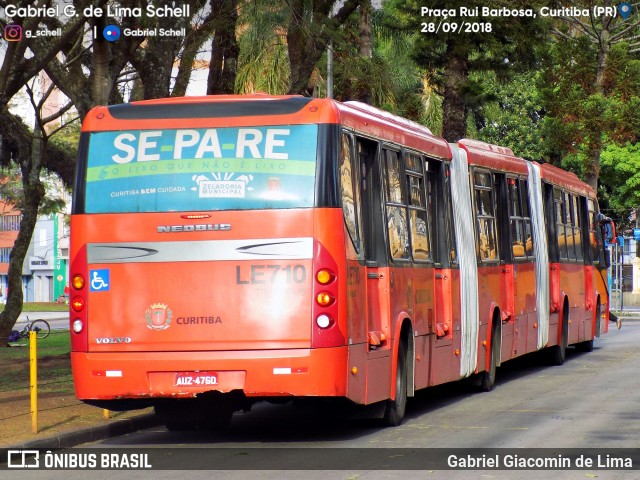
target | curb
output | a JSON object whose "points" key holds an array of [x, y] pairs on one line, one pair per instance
{"points": [[91, 434]]}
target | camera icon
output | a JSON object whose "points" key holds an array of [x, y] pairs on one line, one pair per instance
{"points": [[13, 33]]}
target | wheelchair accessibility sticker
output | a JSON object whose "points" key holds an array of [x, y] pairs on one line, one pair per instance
{"points": [[99, 280]]}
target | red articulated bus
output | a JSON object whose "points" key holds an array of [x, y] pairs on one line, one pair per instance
{"points": [[230, 249]]}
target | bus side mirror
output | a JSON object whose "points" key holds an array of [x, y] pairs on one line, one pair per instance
{"points": [[607, 258]]}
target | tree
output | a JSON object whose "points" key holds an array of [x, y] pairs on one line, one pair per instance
{"points": [[26, 148], [581, 114], [263, 64], [514, 118], [620, 186], [224, 49], [311, 25], [588, 42], [450, 52]]}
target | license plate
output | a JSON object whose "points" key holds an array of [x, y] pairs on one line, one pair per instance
{"points": [[196, 379]]}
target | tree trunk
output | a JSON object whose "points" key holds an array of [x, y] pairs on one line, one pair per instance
{"points": [[308, 35], [366, 37], [225, 51], [366, 46], [454, 107], [28, 151], [595, 147]]}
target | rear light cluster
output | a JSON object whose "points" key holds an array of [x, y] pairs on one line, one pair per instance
{"points": [[326, 328], [325, 297], [78, 303]]}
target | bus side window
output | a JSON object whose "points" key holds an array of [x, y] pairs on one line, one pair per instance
{"points": [[560, 223], [577, 227], [594, 235], [396, 210], [516, 219], [526, 216], [449, 219], [349, 191], [568, 225], [419, 200], [485, 214]]}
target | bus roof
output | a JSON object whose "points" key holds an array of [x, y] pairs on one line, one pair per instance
{"points": [[493, 156], [565, 179], [262, 109]]}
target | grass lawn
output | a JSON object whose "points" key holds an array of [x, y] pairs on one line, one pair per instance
{"points": [[42, 307], [54, 366]]}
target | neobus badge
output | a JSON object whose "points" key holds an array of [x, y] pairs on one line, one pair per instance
{"points": [[206, 227]]}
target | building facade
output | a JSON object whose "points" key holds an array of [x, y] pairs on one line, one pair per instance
{"points": [[45, 269]]}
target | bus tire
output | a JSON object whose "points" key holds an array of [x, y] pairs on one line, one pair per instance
{"points": [[175, 418], [488, 377], [394, 411], [218, 420], [558, 353]]}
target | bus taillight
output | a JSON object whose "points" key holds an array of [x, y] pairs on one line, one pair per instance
{"points": [[324, 321], [325, 276], [324, 299], [326, 325], [77, 326], [78, 303], [78, 282]]}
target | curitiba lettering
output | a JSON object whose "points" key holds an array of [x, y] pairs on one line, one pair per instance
{"points": [[198, 320]]}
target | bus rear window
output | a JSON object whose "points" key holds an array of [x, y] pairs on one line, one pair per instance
{"points": [[201, 169]]}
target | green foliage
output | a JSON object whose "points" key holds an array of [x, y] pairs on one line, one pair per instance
{"points": [[12, 193], [263, 63], [68, 136], [585, 107], [620, 175], [514, 118], [468, 57]]}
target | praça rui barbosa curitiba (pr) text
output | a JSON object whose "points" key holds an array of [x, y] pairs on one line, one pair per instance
{"points": [[477, 19]]}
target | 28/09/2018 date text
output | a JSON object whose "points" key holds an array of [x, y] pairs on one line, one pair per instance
{"points": [[456, 27]]}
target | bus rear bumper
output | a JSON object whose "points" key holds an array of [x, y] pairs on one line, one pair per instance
{"points": [[150, 375]]}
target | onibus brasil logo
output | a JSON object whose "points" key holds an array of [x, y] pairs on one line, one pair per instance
{"points": [[158, 316]]}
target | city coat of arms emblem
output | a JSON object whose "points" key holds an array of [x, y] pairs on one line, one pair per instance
{"points": [[158, 316]]}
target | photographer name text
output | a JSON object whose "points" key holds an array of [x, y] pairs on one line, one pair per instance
{"points": [[56, 11]]}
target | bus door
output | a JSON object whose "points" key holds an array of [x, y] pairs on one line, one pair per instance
{"points": [[446, 324], [518, 306], [378, 276]]}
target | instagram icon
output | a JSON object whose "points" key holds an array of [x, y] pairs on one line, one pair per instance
{"points": [[13, 33]]}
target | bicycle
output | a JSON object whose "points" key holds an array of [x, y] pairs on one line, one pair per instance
{"points": [[41, 327]]}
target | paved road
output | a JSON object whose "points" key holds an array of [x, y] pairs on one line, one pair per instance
{"points": [[589, 402], [57, 320]]}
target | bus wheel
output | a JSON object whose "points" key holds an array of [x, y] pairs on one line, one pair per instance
{"points": [[218, 420], [557, 353], [394, 411], [176, 418], [488, 378]]}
